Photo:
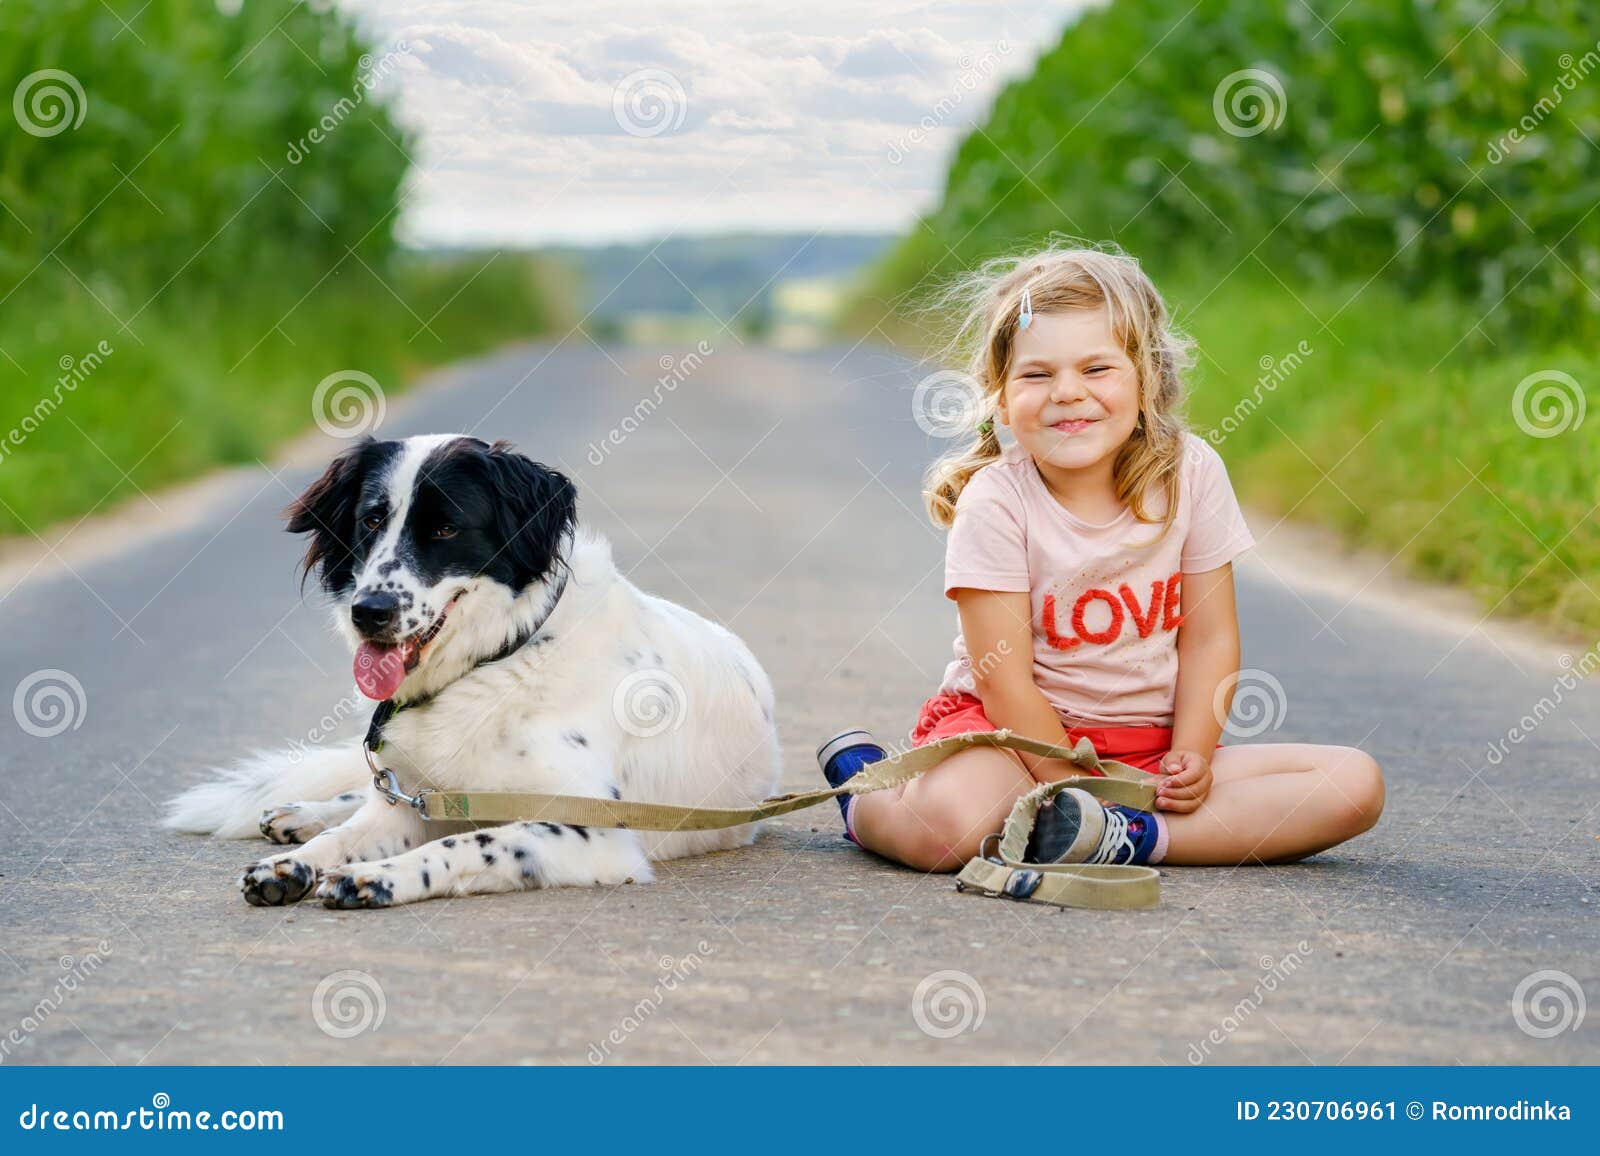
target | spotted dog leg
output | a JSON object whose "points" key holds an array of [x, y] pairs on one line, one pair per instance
{"points": [[302, 822], [509, 858], [373, 832]]}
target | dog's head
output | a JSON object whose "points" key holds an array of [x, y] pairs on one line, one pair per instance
{"points": [[426, 544]]}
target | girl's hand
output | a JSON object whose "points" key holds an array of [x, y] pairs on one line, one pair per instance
{"points": [[1185, 782]]}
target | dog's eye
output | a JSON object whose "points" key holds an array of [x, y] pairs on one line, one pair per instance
{"points": [[372, 521], [444, 530]]}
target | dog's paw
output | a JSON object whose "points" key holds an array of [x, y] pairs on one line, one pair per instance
{"points": [[289, 824], [276, 882], [358, 885]]}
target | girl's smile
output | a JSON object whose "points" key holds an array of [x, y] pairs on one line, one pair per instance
{"points": [[1074, 425]]}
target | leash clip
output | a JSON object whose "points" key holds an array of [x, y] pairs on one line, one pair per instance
{"points": [[389, 787], [1020, 881]]}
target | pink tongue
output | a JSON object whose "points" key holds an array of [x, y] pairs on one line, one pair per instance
{"points": [[379, 670]]}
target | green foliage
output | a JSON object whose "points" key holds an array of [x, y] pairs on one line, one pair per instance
{"points": [[1378, 434], [173, 205], [210, 379], [181, 159], [1393, 158]]}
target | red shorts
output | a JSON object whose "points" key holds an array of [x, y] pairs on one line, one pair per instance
{"points": [[944, 715]]}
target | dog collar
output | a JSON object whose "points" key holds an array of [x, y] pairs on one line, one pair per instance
{"points": [[388, 708]]}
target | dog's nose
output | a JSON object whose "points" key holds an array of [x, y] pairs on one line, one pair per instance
{"points": [[374, 611]]}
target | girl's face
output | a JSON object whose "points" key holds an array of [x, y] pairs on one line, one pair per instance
{"points": [[1072, 394]]}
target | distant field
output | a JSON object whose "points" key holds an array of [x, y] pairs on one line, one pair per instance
{"points": [[733, 279]]}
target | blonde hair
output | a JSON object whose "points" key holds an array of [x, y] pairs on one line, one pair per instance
{"points": [[1059, 279]]}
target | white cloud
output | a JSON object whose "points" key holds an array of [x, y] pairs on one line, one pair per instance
{"points": [[821, 115]]}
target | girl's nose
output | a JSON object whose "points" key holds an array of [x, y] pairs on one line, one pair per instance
{"points": [[1067, 388]]}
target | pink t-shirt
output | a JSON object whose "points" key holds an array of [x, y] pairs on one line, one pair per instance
{"points": [[1105, 597]]}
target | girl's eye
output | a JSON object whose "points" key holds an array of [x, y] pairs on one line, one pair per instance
{"points": [[1037, 373], [372, 521], [1099, 369], [445, 530]]}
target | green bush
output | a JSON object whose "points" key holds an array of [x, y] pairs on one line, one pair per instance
{"points": [[89, 415], [1389, 152], [181, 159], [1366, 427], [197, 229]]}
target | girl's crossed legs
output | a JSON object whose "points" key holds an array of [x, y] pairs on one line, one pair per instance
{"points": [[1270, 803]]}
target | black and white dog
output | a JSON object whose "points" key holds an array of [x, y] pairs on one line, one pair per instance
{"points": [[520, 660]]}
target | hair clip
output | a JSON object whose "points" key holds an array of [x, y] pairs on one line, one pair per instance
{"points": [[1025, 314], [986, 427]]}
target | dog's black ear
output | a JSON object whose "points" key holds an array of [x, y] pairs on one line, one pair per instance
{"points": [[327, 511], [537, 512]]}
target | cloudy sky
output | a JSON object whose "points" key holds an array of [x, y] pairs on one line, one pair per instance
{"points": [[615, 119]]}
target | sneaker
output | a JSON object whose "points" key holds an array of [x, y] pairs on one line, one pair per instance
{"points": [[840, 758], [1075, 827]]}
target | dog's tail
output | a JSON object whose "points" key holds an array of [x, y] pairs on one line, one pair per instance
{"points": [[230, 805]]}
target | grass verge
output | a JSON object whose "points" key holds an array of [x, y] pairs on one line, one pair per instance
{"points": [[91, 412]]}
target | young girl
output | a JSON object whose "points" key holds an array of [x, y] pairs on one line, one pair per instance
{"points": [[1073, 556]]}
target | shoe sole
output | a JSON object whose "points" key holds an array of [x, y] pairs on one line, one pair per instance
{"points": [[843, 741], [1087, 824]]}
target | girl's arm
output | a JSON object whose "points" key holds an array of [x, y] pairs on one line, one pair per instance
{"points": [[1208, 655], [998, 629]]}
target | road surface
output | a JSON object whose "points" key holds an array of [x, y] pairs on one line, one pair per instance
{"points": [[777, 493]]}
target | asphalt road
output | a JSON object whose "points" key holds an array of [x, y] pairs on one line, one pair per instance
{"points": [[776, 493]]}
